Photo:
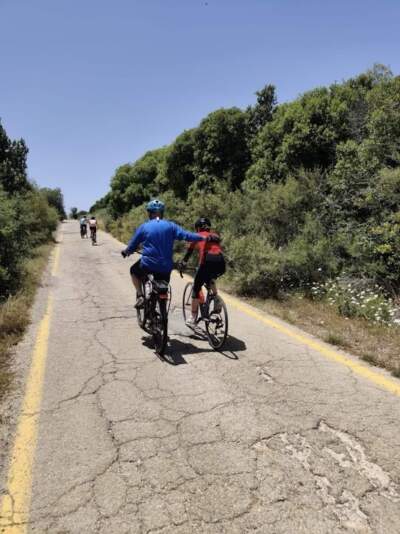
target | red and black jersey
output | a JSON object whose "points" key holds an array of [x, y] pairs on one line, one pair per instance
{"points": [[205, 247]]}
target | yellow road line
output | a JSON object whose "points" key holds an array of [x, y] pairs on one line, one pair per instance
{"points": [[377, 378], [56, 261], [14, 511], [366, 372], [15, 505]]}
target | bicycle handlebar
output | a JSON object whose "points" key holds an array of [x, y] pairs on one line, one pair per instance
{"points": [[176, 265]]}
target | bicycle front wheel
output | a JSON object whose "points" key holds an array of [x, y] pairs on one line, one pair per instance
{"points": [[141, 317], [160, 326], [187, 301], [217, 323]]}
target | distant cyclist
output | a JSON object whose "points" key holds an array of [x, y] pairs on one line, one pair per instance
{"points": [[93, 228], [157, 237], [83, 226], [211, 265]]}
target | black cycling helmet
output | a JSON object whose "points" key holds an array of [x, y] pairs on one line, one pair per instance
{"points": [[203, 223]]}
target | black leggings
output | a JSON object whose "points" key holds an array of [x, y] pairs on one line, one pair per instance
{"points": [[212, 268]]}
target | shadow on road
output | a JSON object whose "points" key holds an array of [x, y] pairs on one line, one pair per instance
{"points": [[231, 347], [234, 344], [177, 349]]}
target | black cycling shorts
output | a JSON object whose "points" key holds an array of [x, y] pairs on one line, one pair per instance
{"points": [[211, 269], [140, 272]]}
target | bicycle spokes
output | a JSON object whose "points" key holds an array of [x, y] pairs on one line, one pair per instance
{"points": [[217, 323], [187, 302], [160, 325]]}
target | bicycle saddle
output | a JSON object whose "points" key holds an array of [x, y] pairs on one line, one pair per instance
{"points": [[161, 286]]}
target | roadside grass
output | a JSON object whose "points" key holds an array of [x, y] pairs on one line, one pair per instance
{"points": [[15, 313], [334, 338], [376, 344]]}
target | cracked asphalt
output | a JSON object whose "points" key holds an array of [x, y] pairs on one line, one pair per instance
{"points": [[267, 437]]}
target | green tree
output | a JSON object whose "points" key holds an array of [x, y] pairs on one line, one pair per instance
{"points": [[179, 164], [220, 147], [300, 190], [12, 247], [55, 199], [102, 203], [134, 183], [26, 217], [262, 111], [73, 214], [13, 156], [304, 133], [384, 121]]}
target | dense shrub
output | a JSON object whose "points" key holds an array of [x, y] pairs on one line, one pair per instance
{"points": [[354, 298], [300, 191], [10, 246], [28, 215]]}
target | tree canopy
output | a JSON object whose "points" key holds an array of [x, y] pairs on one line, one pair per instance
{"points": [[301, 190], [28, 214]]}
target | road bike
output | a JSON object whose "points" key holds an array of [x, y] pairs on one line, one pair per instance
{"points": [[212, 312], [93, 235], [152, 317], [83, 231]]}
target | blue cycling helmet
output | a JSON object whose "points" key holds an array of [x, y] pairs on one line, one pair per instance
{"points": [[155, 205]]}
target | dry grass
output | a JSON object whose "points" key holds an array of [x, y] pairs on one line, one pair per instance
{"points": [[376, 344], [14, 313], [336, 339], [14, 316]]}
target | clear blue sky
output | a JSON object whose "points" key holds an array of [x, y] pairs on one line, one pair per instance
{"points": [[92, 84]]}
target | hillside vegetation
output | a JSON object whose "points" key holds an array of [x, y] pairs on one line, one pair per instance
{"points": [[28, 217], [28, 214], [302, 192]]}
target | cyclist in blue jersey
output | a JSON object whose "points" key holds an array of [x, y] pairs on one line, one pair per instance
{"points": [[157, 237]]}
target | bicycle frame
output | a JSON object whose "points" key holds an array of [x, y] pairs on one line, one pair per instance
{"points": [[155, 318], [216, 322], [205, 304]]}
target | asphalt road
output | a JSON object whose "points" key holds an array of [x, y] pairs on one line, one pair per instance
{"points": [[270, 436]]}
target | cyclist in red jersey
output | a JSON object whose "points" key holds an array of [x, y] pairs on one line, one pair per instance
{"points": [[211, 264]]}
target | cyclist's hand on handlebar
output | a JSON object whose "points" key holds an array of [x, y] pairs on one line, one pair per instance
{"points": [[181, 265], [124, 254], [213, 238]]}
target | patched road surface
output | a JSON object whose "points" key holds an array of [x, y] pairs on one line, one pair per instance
{"points": [[267, 437]]}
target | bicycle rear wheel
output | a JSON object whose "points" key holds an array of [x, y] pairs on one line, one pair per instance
{"points": [[141, 312], [160, 326], [187, 301], [217, 324], [140, 316]]}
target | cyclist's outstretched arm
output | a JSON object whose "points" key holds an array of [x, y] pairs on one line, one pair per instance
{"points": [[183, 235], [136, 239]]}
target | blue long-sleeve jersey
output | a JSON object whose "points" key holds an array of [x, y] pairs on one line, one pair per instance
{"points": [[157, 237]]}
